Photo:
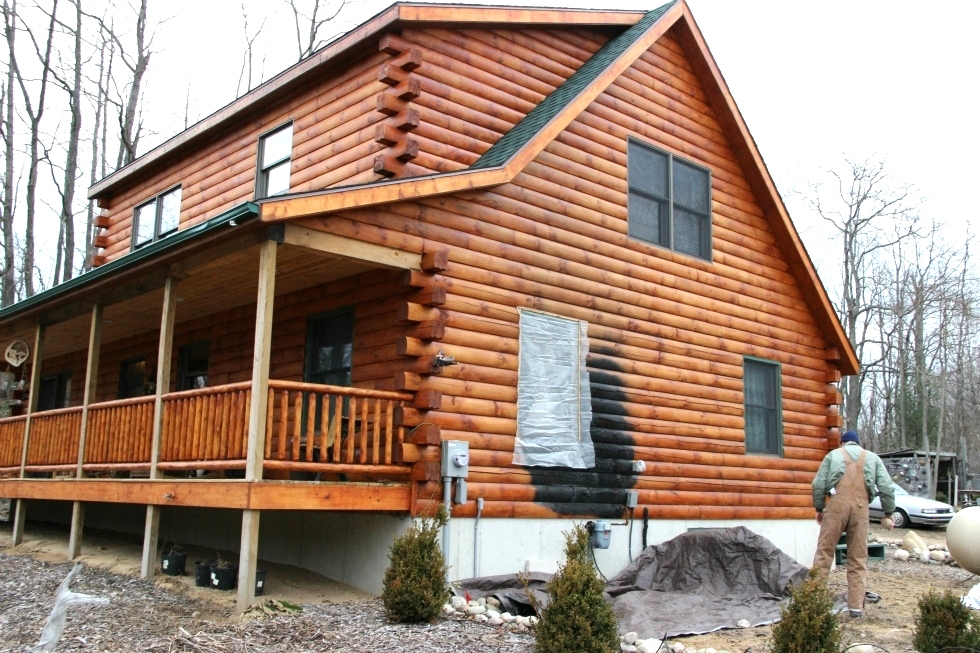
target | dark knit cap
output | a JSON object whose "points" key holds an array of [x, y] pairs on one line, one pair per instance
{"points": [[850, 436]]}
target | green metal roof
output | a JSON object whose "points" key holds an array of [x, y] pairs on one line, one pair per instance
{"points": [[240, 213], [539, 117]]}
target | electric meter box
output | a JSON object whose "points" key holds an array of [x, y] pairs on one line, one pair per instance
{"points": [[455, 459], [601, 533]]}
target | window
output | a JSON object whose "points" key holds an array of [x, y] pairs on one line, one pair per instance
{"points": [[554, 402], [157, 218], [329, 353], [275, 149], [763, 406], [669, 201], [132, 378], [54, 391], [192, 366]]}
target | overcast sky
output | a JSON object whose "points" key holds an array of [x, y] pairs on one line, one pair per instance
{"points": [[815, 81]]}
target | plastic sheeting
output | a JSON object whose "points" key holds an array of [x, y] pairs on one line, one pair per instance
{"points": [[554, 404], [704, 581], [696, 583]]}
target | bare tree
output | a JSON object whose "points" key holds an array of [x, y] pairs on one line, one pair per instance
{"points": [[247, 72], [308, 39], [865, 204], [8, 282]]}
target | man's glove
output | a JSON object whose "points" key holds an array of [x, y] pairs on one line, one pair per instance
{"points": [[888, 522]]}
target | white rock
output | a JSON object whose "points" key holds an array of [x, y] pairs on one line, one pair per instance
{"points": [[627, 648], [521, 628], [473, 603], [678, 647], [458, 603], [914, 544], [482, 601], [861, 648], [507, 618], [482, 618], [932, 547], [496, 621], [710, 650], [938, 556], [743, 623], [648, 646], [629, 638], [690, 649], [901, 554], [493, 603], [521, 620], [448, 609], [475, 609], [924, 557], [532, 621]]}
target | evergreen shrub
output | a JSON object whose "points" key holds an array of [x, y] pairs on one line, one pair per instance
{"points": [[942, 621], [808, 624], [577, 618], [414, 588]]}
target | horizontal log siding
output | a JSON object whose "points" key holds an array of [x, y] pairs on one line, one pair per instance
{"points": [[667, 332], [332, 130], [477, 84]]}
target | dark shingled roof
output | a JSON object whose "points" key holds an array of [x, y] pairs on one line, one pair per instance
{"points": [[511, 142]]}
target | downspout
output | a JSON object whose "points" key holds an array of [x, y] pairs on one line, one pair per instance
{"points": [[476, 538]]}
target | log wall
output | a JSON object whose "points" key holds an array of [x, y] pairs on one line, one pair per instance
{"points": [[668, 332], [427, 101]]}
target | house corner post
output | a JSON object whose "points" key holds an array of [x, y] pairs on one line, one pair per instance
{"points": [[151, 529], [20, 512], [248, 554], [91, 374]]}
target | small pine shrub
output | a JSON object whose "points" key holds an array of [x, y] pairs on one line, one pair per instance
{"points": [[808, 624], [942, 621], [414, 587], [577, 619]]}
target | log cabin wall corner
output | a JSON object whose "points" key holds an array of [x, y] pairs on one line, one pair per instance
{"points": [[586, 165]]}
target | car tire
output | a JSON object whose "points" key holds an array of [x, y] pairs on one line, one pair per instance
{"points": [[901, 518]]}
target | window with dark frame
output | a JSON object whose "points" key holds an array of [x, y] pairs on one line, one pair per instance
{"points": [[157, 218], [763, 406], [669, 200], [274, 161], [54, 392], [329, 353], [192, 366], [132, 378]]}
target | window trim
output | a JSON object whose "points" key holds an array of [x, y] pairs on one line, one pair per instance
{"points": [[157, 215], [707, 254], [777, 367], [262, 173]]}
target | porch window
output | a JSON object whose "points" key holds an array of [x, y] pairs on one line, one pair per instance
{"points": [[192, 366], [55, 391], [554, 402], [132, 378], [669, 201], [275, 150], [763, 406], [329, 354], [157, 218]]}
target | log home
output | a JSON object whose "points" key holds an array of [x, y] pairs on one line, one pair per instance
{"points": [[546, 234]]}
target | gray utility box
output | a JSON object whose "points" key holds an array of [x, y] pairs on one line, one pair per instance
{"points": [[455, 459]]}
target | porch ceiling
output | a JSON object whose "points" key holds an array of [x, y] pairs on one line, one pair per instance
{"points": [[215, 283]]}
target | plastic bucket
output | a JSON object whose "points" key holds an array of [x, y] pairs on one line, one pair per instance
{"points": [[173, 564], [259, 581], [202, 573], [222, 578]]}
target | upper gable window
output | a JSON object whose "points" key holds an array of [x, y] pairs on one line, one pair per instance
{"points": [[157, 218], [275, 150], [669, 201]]}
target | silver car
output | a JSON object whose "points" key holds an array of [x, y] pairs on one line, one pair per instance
{"points": [[910, 509]]}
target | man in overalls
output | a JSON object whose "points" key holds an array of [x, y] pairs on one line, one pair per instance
{"points": [[848, 479]]}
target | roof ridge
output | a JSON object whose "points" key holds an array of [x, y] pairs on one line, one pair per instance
{"points": [[549, 108]]}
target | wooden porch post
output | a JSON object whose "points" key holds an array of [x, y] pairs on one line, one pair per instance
{"points": [[256, 418], [20, 511], [91, 378], [151, 530]]}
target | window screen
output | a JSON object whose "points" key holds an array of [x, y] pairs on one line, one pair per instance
{"points": [[669, 201], [763, 407], [554, 404], [275, 152]]}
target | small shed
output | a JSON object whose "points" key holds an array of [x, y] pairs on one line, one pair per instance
{"points": [[908, 469]]}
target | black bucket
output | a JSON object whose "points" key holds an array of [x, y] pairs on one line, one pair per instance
{"points": [[222, 578], [202, 573], [259, 581], [173, 564]]}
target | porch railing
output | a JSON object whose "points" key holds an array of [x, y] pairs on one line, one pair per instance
{"points": [[309, 428]]}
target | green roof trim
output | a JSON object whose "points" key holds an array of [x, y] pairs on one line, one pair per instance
{"points": [[539, 117], [242, 212]]}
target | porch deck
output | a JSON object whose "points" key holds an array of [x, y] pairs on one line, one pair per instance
{"points": [[319, 439]]}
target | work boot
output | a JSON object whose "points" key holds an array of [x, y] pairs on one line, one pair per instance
{"points": [[856, 614]]}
